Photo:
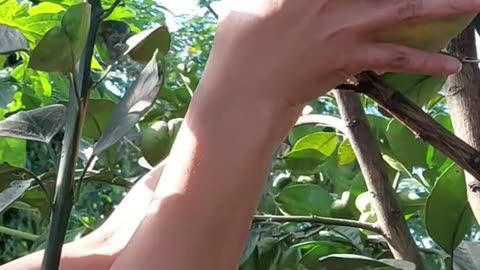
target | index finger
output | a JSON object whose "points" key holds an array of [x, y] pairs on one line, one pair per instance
{"points": [[391, 12]]}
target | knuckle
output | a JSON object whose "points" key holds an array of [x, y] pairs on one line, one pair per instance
{"points": [[461, 5], [407, 10], [400, 59]]}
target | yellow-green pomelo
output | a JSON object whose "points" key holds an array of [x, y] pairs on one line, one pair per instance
{"points": [[428, 36], [155, 142]]}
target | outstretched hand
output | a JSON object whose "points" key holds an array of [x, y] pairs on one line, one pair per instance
{"points": [[291, 51]]}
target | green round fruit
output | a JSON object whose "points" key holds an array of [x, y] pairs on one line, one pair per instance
{"points": [[428, 36], [173, 127], [155, 142]]}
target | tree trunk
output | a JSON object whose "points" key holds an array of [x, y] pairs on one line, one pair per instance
{"points": [[463, 100], [387, 207]]}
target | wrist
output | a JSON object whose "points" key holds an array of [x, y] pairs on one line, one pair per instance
{"points": [[229, 107]]}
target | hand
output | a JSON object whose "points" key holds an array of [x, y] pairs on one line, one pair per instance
{"points": [[288, 52]]}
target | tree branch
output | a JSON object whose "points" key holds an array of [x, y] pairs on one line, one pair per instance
{"points": [[419, 122], [463, 99], [320, 220], [63, 200], [387, 207]]}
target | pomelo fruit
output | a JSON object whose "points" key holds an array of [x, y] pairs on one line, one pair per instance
{"points": [[155, 142], [430, 36]]}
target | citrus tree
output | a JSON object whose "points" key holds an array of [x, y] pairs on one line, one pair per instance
{"points": [[371, 177]]}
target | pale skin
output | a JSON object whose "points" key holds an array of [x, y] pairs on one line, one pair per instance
{"points": [[269, 58]]}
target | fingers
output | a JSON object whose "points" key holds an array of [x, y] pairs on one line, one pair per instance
{"points": [[396, 58], [378, 13]]}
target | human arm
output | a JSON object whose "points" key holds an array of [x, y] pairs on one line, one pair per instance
{"points": [[268, 60], [98, 250]]}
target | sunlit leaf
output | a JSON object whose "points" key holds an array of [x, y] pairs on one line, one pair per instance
{"points": [[345, 155], [142, 45], [352, 262], [134, 105], [311, 151]]}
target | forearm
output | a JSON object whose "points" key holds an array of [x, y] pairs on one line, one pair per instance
{"points": [[98, 250], [225, 155]]}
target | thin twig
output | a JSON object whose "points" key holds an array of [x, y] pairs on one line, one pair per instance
{"points": [[102, 77], [18, 234], [82, 176], [212, 11], [42, 186], [319, 220], [110, 10]]}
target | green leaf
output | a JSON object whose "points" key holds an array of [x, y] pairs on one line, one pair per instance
{"points": [[305, 199], [11, 194], [409, 150], [417, 87], [345, 155], [352, 262], [11, 40], [448, 216], [13, 151], [53, 53], [314, 250], [45, 7], [99, 112], [37, 125], [301, 131], [134, 105], [311, 151], [142, 45], [75, 24]]}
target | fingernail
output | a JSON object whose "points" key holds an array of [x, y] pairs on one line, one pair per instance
{"points": [[454, 66]]}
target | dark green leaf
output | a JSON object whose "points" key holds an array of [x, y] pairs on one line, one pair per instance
{"points": [[53, 53], [99, 112], [11, 194], [305, 199], [75, 24], [11, 40], [409, 150], [134, 105], [38, 125], [142, 45], [448, 215], [317, 249]]}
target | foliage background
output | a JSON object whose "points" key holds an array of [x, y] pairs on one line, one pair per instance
{"points": [[314, 174]]}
